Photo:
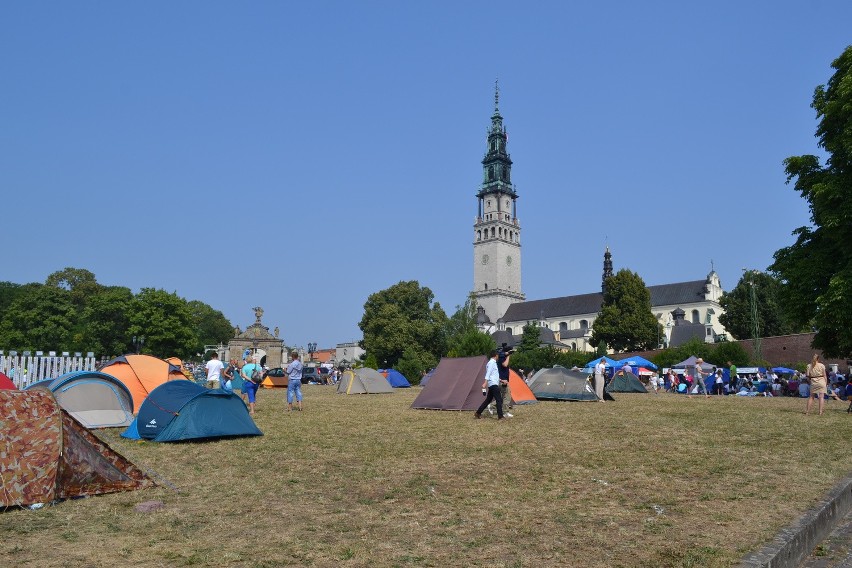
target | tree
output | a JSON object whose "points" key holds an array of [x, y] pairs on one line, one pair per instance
{"points": [[626, 322], [211, 326], [40, 317], [470, 344], [412, 364], [165, 321], [399, 317], [530, 337], [771, 318], [817, 269], [106, 320]]}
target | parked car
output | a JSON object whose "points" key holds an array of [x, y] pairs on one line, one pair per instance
{"points": [[311, 375]]}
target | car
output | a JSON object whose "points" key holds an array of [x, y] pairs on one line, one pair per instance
{"points": [[311, 375]]}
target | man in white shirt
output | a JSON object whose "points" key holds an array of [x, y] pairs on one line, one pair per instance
{"points": [[600, 374], [214, 371], [491, 387]]}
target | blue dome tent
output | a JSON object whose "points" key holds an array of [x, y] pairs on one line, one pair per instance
{"points": [[96, 400], [184, 410], [396, 379]]}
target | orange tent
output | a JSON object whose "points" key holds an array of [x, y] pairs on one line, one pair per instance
{"points": [[141, 374], [518, 389], [179, 363]]}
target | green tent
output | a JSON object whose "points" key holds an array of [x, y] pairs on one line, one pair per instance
{"points": [[626, 382]]}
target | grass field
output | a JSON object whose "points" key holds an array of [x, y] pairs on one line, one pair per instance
{"points": [[365, 481]]}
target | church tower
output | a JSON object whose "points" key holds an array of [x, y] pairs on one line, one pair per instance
{"points": [[607, 269], [496, 231]]}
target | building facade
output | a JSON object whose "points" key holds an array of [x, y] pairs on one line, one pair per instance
{"points": [[258, 342], [496, 229]]}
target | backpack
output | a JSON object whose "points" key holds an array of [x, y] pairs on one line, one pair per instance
{"points": [[256, 375]]}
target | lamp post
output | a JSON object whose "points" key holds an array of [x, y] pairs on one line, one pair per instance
{"points": [[312, 347]]}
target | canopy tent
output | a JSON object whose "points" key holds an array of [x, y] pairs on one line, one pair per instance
{"points": [[50, 456], [456, 384], [610, 364], [184, 410], [690, 363], [6, 383], [363, 381], [141, 374], [396, 379], [625, 382], [559, 383], [94, 399], [636, 361], [519, 391], [783, 370]]}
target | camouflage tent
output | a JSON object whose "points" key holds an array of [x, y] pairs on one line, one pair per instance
{"points": [[46, 455]]}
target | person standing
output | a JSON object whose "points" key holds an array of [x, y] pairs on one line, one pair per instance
{"points": [[600, 374], [819, 383], [228, 376], [492, 384], [214, 371], [294, 382], [250, 373], [503, 370], [698, 379]]}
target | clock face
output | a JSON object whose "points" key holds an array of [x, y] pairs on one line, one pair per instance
{"points": [[484, 259], [508, 260]]}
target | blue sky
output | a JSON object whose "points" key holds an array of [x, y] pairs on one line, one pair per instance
{"points": [[178, 145]]}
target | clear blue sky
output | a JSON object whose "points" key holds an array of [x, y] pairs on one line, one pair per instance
{"points": [[176, 145]]}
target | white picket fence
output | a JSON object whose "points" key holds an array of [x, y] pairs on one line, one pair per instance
{"points": [[25, 371]]}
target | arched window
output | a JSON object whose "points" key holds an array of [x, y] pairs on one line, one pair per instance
{"points": [[493, 232], [573, 346], [563, 326], [479, 235], [509, 329], [486, 286], [695, 317], [584, 324], [490, 173]]}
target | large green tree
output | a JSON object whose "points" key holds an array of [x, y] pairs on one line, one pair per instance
{"points": [[40, 317], [106, 320], [737, 304], [211, 326], [165, 321], [817, 269], [402, 317], [626, 322]]}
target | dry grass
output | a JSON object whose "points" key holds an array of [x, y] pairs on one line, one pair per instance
{"points": [[364, 480]]}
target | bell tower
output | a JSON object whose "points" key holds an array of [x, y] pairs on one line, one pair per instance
{"points": [[496, 230]]}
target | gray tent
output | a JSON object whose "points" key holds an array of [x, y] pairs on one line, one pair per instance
{"points": [[456, 384], [690, 364], [96, 400], [558, 383], [625, 382], [363, 381]]}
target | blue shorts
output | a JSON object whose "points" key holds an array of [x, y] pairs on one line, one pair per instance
{"points": [[250, 388], [294, 388]]}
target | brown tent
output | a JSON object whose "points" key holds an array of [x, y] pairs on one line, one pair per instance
{"points": [[456, 384], [46, 455]]}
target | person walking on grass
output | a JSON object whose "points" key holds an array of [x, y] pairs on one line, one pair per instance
{"points": [[819, 383], [250, 373], [294, 383], [491, 385], [698, 379]]}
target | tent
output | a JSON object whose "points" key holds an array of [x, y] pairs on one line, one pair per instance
{"points": [[141, 374], [625, 382], [456, 384], [425, 379], [179, 364], [690, 364], [94, 399], [275, 378], [635, 362], [184, 410], [6, 383], [363, 381], [519, 391], [783, 370], [559, 383], [49, 455], [610, 363], [396, 379]]}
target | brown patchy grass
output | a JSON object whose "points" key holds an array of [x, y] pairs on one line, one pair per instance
{"points": [[365, 481]]}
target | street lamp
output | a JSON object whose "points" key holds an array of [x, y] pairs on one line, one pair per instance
{"points": [[312, 348]]}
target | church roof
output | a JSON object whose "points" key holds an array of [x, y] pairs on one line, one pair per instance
{"points": [[566, 306], [684, 332]]}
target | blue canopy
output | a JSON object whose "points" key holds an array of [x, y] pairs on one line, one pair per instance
{"points": [[610, 363], [184, 410], [783, 370], [636, 362]]}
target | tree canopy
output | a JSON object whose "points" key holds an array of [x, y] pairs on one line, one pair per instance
{"points": [[817, 269], [626, 322], [771, 317], [403, 317]]}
